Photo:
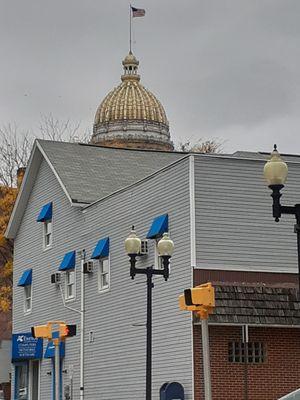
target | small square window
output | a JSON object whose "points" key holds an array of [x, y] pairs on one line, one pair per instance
{"points": [[47, 233], [104, 274], [27, 298], [70, 284], [256, 352]]}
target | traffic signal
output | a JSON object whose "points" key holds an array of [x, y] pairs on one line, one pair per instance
{"points": [[42, 331], [202, 295], [66, 330], [183, 306], [200, 299]]}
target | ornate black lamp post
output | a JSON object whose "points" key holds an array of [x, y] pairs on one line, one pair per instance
{"points": [[275, 172], [165, 250]]}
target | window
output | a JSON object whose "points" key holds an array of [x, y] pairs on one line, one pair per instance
{"points": [[47, 233], [70, 284], [104, 274], [256, 352], [158, 260], [27, 298], [34, 378], [21, 381]]}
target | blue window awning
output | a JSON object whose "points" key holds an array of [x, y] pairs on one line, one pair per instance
{"points": [[26, 278], [102, 248], [45, 213], [68, 261], [159, 226], [50, 349]]}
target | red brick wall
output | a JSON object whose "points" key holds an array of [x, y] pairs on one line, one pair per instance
{"points": [[277, 376]]}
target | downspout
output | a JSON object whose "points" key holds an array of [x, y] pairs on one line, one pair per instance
{"points": [[192, 250], [245, 339], [81, 312], [192, 212]]}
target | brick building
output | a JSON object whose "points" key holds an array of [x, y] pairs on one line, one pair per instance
{"points": [[268, 305]]}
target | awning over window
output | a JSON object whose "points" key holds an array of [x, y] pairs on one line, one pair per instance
{"points": [[102, 248], [26, 278], [159, 226], [50, 349], [68, 261], [45, 213]]}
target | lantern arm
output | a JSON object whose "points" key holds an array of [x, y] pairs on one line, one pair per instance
{"points": [[288, 210], [279, 209]]}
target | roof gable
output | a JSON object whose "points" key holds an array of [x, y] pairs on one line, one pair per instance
{"points": [[87, 172], [90, 172]]}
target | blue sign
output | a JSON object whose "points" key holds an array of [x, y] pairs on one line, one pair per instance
{"points": [[26, 347], [50, 350]]}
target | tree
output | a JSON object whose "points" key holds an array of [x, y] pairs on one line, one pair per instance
{"points": [[7, 199], [52, 128], [201, 146], [14, 153], [16, 145], [15, 148]]}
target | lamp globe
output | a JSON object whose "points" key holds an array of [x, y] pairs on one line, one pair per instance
{"points": [[133, 243], [165, 245], [275, 169]]}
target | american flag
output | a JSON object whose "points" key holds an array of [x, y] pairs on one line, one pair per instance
{"points": [[138, 12]]}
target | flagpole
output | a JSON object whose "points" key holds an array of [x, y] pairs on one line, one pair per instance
{"points": [[130, 22]]}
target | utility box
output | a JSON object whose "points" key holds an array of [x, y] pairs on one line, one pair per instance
{"points": [[171, 391]]}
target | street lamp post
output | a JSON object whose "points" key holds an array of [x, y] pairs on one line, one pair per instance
{"points": [[275, 173], [165, 250]]}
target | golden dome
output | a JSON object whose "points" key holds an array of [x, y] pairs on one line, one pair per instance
{"points": [[130, 101], [131, 107]]}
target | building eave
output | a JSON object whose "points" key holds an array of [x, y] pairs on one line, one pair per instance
{"points": [[36, 157]]}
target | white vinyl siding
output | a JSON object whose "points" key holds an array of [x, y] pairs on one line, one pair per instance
{"points": [[235, 229], [109, 361]]}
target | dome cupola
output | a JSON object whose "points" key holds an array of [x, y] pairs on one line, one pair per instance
{"points": [[131, 116]]}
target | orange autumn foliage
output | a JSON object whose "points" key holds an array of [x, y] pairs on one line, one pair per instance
{"points": [[7, 199]]}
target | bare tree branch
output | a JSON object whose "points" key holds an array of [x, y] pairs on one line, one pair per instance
{"points": [[204, 146], [15, 144], [62, 131], [15, 149]]}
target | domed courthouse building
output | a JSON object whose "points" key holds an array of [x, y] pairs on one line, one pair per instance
{"points": [[75, 209]]}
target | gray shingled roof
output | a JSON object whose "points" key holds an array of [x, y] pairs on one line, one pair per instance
{"points": [[256, 305], [91, 172], [265, 156]]}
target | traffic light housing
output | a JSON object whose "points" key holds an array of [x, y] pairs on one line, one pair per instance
{"points": [[183, 306], [67, 330], [42, 331], [202, 295], [200, 299]]}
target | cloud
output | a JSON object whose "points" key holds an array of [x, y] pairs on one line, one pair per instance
{"points": [[221, 68]]}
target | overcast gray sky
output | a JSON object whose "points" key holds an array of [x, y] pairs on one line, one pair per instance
{"points": [[227, 69]]}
